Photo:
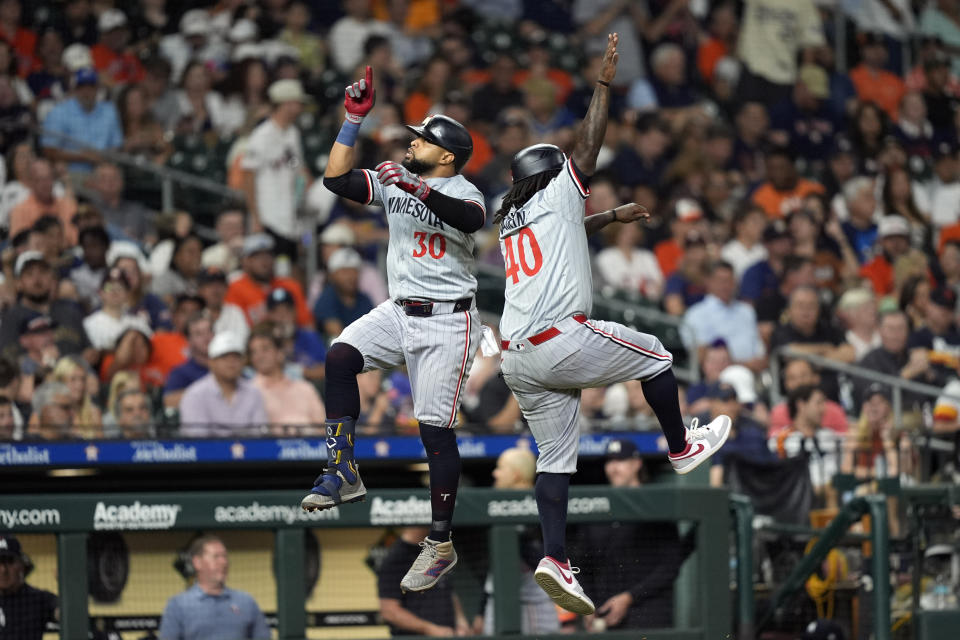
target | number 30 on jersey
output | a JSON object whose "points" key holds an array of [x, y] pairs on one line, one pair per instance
{"points": [[527, 258]]}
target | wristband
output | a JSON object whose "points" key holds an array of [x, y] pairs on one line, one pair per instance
{"points": [[606, 84], [614, 212], [348, 133]]}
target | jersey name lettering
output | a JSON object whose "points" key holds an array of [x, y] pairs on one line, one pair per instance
{"points": [[413, 207], [516, 218]]}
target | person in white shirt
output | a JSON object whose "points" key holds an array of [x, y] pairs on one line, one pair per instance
{"points": [[212, 287], [746, 248], [350, 32], [105, 326], [943, 189], [627, 266], [274, 172], [857, 308]]}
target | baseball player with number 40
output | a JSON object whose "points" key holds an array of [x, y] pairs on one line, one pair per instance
{"points": [[430, 322], [552, 349]]}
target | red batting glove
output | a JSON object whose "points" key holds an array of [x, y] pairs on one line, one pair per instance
{"points": [[396, 174], [359, 98]]}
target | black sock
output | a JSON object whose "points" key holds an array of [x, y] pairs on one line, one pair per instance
{"points": [[444, 460], [552, 491], [343, 364], [662, 395]]}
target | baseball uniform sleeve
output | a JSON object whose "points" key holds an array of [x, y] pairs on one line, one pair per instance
{"points": [[566, 193]]}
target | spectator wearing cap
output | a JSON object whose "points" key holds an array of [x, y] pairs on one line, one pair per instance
{"points": [[128, 257], [195, 41], [943, 188], [893, 240], [122, 217], [939, 337], [39, 352], [199, 332], [341, 302], [303, 348], [721, 316], [222, 402], [806, 122], [784, 190], [798, 271], [860, 203], [116, 64], [807, 438], [293, 406], [338, 236], [633, 565], [686, 286], [645, 162], [105, 325], [275, 173], [185, 267], [35, 285], [212, 288], [43, 201], [763, 278], [250, 290], [800, 373], [688, 216], [79, 127], [872, 82], [746, 248], [626, 264], [225, 254], [88, 275], [747, 439], [52, 416], [26, 609]]}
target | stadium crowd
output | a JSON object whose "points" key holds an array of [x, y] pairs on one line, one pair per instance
{"points": [[797, 201]]}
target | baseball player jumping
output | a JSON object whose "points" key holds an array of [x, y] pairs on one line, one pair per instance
{"points": [[552, 349], [430, 323]]}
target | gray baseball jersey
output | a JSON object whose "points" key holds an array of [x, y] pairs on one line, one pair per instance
{"points": [[426, 258], [552, 349], [546, 256]]}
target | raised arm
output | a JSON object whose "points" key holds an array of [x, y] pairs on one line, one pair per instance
{"points": [[340, 176], [594, 125]]}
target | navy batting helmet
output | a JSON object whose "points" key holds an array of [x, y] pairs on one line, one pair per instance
{"points": [[536, 159], [447, 133]]}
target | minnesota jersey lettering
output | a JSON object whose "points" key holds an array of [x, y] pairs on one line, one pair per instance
{"points": [[426, 259]]}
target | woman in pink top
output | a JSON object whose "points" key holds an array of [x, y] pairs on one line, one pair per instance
{"points": [[294, 407]]}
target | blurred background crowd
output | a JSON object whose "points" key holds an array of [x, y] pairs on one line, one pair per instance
{"points": [[799, 160]]}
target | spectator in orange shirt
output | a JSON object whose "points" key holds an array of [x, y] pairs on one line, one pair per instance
{"points": [[250, 291], [430, 91], [687, 215], [116, 65], [784, 190], [42, 202], [893, 240], [872, 82], [23, 41], [723, 36]]}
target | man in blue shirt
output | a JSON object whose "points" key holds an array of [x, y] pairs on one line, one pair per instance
{"points": [[80, 126], [199, 332], [209, 610], [303, 347]]}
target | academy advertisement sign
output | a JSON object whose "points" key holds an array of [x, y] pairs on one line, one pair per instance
{"points": [[128, 517]]}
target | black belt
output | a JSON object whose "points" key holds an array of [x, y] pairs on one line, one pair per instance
{"points": [[424, 308]]}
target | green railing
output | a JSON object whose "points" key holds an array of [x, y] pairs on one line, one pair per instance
{"points": [[72, 517]]}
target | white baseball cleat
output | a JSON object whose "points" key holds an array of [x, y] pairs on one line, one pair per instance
{"points": [[558, 580], [436, 559], [702, 442]]}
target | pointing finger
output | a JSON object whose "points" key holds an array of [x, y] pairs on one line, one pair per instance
{"points": [[368, 76]]}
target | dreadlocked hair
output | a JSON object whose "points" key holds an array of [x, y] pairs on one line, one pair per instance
{"points": [[523, 190]]}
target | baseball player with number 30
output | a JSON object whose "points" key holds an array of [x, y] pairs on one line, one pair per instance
{"points": [[552, 349], [430, 323]]}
